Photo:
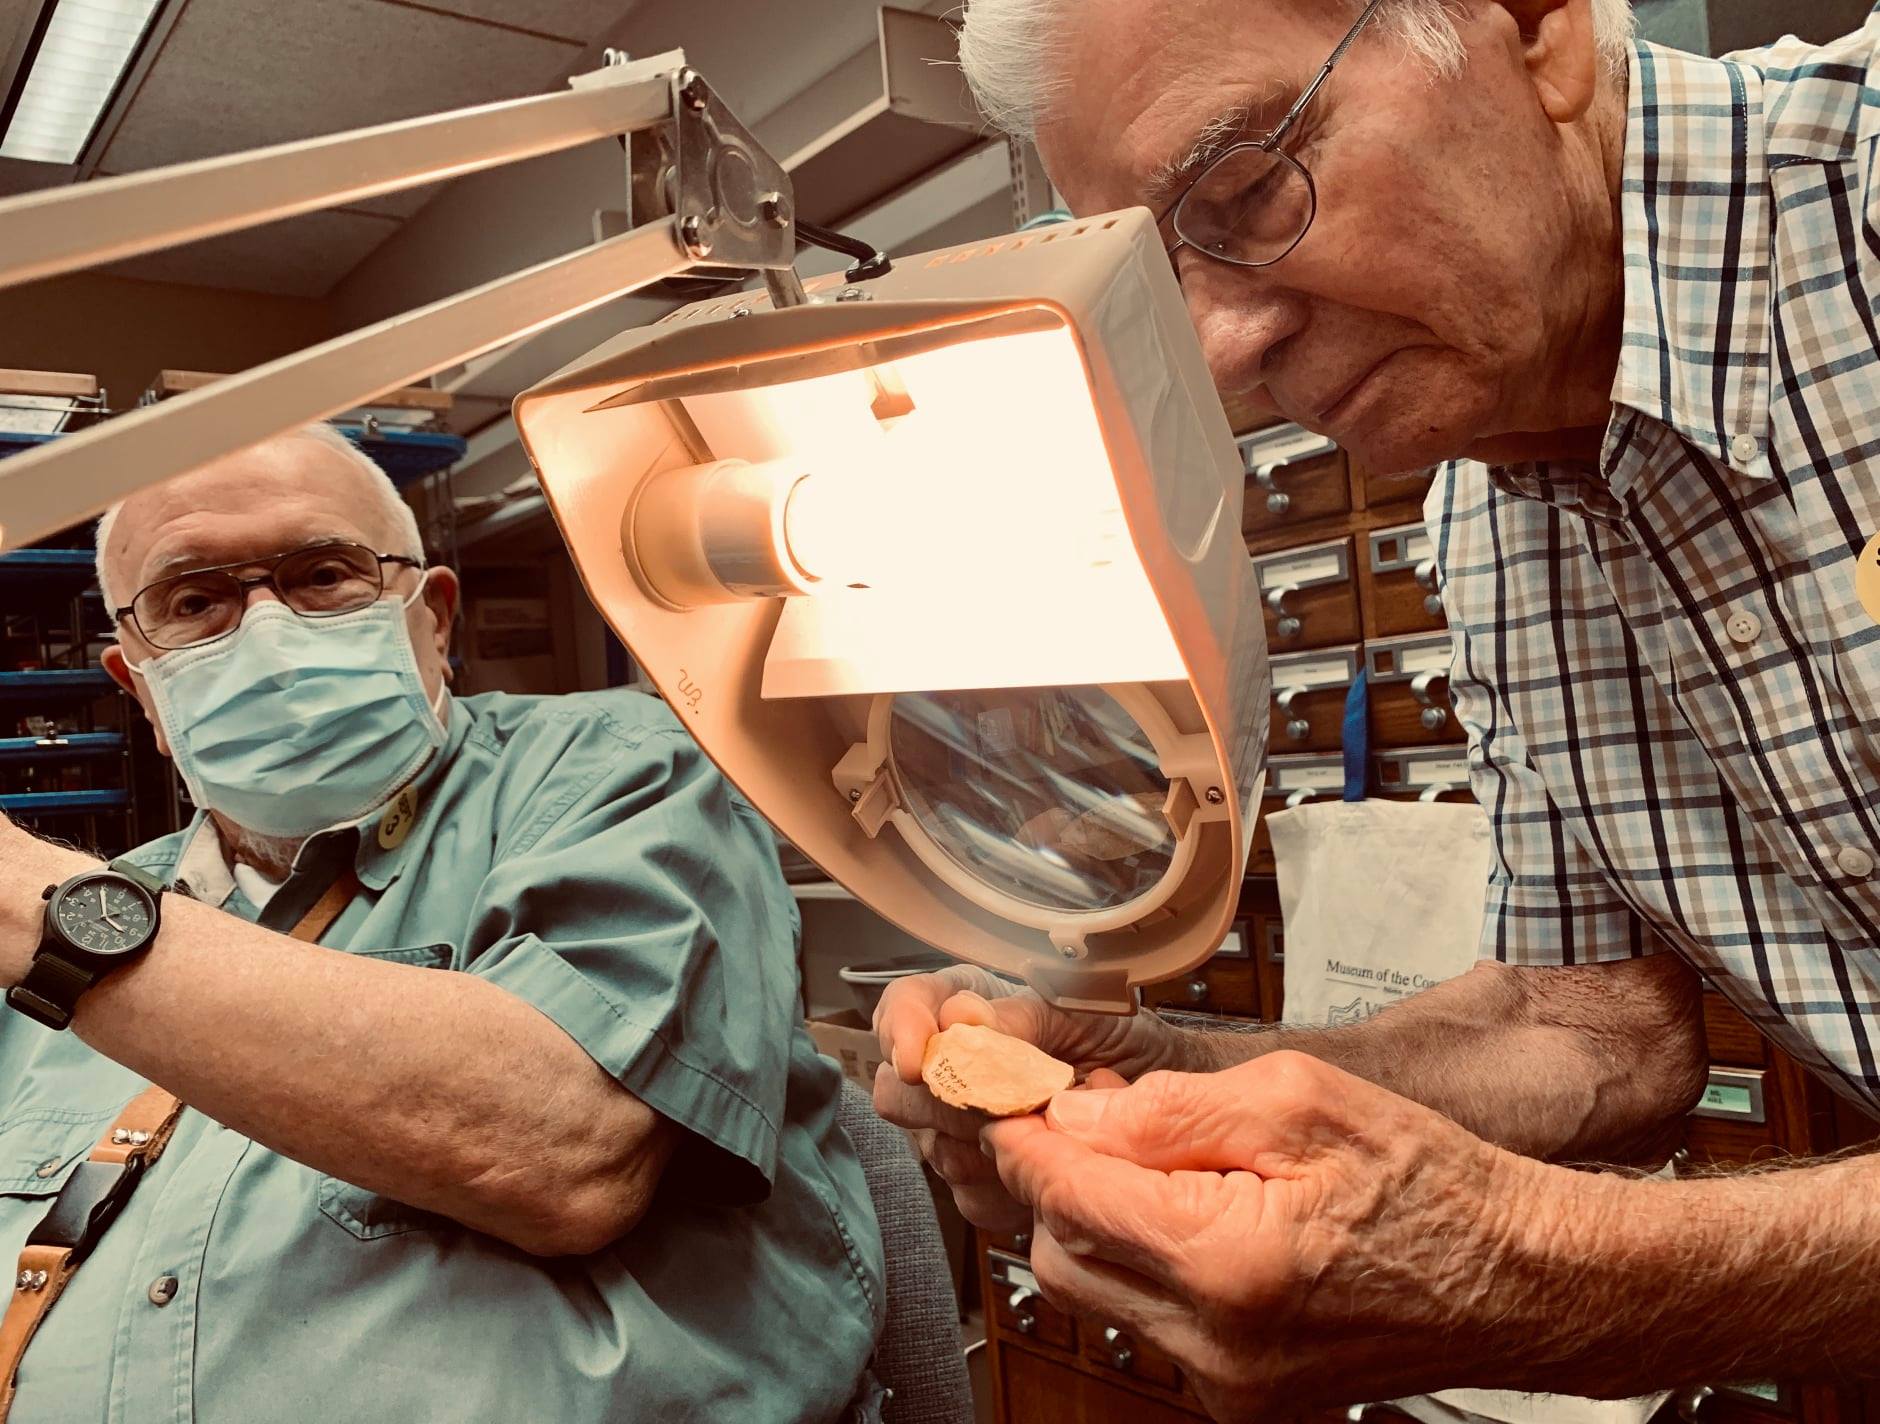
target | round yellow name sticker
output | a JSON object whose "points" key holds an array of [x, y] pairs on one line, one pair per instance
{"points": [[398, 820], [1867, 578]]}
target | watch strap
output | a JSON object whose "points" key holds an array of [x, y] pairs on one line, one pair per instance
{"points": [[138, 876], [50, 990]]}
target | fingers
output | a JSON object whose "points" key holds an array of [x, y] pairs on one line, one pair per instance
{"points": [[911, 1105], [1101, 1291], [1100, 1206], [909, 1013], [948, 1139], [1260, 1116]]}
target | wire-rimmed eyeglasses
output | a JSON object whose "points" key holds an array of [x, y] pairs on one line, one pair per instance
{"points": [[1253, 203], [201, 605]]}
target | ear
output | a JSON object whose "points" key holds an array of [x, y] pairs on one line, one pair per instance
{"points": [[442, 594], [1561, 53], [113, 661]]}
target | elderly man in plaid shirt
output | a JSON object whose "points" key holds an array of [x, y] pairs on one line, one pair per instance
{"points": [[1631, 293]]}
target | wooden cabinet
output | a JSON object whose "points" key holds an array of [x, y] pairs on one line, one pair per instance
{"points": [[1398, 586], [1310, 596], [1408, 680], [1309, 692]]}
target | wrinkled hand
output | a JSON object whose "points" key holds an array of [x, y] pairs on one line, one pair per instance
{"points": [[914, 1010], [1293, 1236]]}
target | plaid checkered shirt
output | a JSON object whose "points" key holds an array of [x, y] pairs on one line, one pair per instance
{"points": [[1670, 689]]}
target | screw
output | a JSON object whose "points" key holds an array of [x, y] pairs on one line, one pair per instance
{"points": [[855, 796], [1068, 951], [772, 209], [1214, 796], [740, 311], [692, 233], [851, 294], [693, 89]]}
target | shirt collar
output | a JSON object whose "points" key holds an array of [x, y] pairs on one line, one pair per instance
{"points": [[1695, 222], [202, 869]]}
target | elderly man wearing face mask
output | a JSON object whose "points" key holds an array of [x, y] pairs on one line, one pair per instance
{"points": [[1629, 293], [529, 1133]]}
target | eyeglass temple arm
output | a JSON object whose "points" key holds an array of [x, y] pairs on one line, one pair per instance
{"points": [[1325, 72]]}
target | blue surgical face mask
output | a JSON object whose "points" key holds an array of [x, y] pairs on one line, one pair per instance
{"points": [[290, 725]]}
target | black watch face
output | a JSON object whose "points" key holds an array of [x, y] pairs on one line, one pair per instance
{"points": [[105, 915]]}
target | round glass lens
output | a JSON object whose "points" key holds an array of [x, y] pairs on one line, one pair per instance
{"points": [[1051, 796], [1252, 205]]}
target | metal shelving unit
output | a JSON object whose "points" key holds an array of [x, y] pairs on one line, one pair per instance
{"points": [[71, 743]]}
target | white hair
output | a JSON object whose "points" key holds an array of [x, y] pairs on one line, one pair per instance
{"points": [[399, 519], [1010, 49]]}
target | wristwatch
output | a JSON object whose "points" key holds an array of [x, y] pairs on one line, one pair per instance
{"points": [[97, 921]]}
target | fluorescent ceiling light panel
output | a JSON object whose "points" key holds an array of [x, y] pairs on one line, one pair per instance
{"points": [[87, 47]]}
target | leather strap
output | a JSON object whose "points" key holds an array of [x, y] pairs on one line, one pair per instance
{"points": [[131, 1147], [321, 914], [135, 1141]]}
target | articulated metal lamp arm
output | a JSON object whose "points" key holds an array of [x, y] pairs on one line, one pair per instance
{"points": [[733, 209]]}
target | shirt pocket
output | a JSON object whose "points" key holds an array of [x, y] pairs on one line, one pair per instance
{"points": [[39, 1149], [370, 1215]]}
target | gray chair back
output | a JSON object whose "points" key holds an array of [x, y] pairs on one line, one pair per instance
{"points": [[919, 1356]]}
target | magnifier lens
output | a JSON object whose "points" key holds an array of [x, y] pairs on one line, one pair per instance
{"points": [[1051, 796]]}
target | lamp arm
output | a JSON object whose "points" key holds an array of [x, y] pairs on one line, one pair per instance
{"points": [[732, 207]]}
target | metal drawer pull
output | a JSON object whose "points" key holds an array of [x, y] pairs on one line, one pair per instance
{"points": [[1287, 624], [1436, 790], [1297, 728], [1691, 1402], [1300, 797], [1426, 580], [1121, 1355], [1197, 990], [1435, 715], [1025, 1314]]}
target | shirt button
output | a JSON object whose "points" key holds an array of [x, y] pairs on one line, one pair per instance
{"points": [[1854, 862], [1743, 448], [48, 1167], [163, 1290], [1744, 627]]}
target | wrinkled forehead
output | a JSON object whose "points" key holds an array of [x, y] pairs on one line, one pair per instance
{"points": [[1145, 89], [285, 495]]}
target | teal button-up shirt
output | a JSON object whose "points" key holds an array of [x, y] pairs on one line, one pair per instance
{"points": [[582, 853]]}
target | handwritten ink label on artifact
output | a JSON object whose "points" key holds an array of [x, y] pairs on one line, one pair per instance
{"points": [[972, 1067], [1867, 578], [398, 820]]}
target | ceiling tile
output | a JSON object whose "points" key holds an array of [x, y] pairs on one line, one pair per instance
{"points": [[300, 257], [581, 20], [239, 74]]}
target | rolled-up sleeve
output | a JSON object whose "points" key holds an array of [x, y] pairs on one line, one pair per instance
{"points": [[640, 907]]}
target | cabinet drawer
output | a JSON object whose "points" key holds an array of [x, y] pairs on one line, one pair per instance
{"points": [[1225, 984], [1019, 1307], [1732, 1039], [1293, 478], [1738, 1118], [1309, 691], [1309, 596], [1114, 1350], [1423, 774], [1400, 571], [1409, 691], [1399, 487], [1269, 942], [1292, 781]]}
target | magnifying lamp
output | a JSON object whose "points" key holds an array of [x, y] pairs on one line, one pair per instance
{"points": [[945, 571]]}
